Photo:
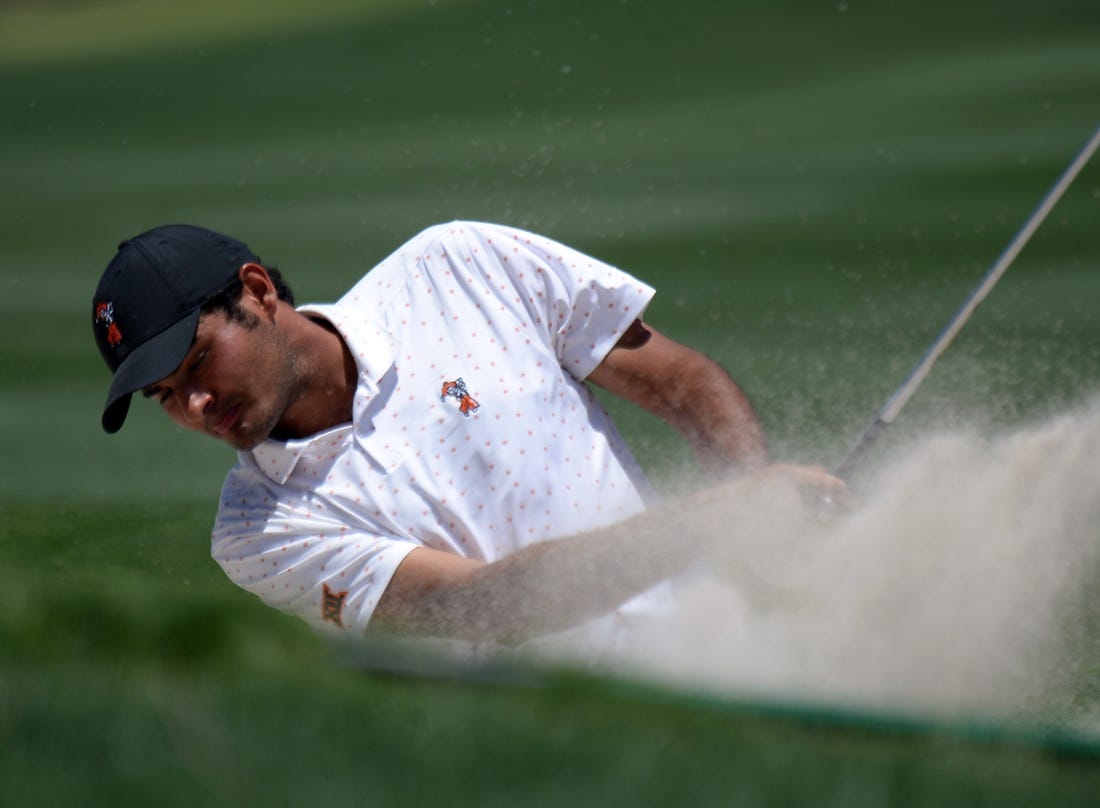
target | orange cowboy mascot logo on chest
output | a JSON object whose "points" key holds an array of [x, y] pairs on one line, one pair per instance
{"points": [[457, 390]]}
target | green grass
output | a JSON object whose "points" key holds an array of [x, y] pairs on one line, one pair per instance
{"points": [[127, 659], [814, 188]]}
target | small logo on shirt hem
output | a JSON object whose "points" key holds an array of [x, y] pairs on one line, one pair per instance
{"points": [[332, 607]]}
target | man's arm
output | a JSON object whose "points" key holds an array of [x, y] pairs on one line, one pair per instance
{"points": [[554, 585], [550, 586], [543, 588], [689, 391]]}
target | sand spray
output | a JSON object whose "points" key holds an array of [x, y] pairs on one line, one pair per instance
{"points": [[963, 580]]}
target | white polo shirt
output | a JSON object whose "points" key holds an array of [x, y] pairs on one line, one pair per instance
{"points": [[471, 431]]}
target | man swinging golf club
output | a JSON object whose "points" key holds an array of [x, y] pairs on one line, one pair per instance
{"points": [[425, 456]]}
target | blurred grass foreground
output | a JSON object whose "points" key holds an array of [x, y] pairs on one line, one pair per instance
{"points": [[813, 188]]}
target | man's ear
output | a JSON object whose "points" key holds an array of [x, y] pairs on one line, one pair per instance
{"points": [[258, 287]]}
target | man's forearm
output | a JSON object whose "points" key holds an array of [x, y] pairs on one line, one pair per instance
{"points": [[550, 586], [716, 418], [557, 584]]}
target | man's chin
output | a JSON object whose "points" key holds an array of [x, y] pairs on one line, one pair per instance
{"points": [[244, 446], [245, 443], [243, 439]]}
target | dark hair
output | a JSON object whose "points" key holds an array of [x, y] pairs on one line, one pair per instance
{"points": [[228, 300]]}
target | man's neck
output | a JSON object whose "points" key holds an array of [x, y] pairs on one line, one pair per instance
{"points": [[329, 375]]}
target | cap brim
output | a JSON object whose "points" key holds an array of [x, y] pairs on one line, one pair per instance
{"points": [[149, 362]]}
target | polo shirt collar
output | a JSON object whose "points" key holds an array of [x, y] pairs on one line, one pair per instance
{"points": [[374, 350], [277, 460]]}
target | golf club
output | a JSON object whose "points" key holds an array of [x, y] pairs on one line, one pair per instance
{"points": [[902, 395]]}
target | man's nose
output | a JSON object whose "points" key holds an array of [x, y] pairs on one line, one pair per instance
{"points": [[195, 402]]}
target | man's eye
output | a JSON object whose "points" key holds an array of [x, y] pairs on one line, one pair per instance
{"points": [[199, 360]]}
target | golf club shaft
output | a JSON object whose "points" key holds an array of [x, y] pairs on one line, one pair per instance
{"points": [[924, 366]]}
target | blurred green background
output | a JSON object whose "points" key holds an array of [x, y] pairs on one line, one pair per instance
{"points": [[814, 188]]}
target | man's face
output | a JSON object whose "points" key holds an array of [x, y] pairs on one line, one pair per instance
{"points": [[235, 383]]}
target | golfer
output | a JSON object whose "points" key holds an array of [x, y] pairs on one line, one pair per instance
{"points": [[425, 456]]}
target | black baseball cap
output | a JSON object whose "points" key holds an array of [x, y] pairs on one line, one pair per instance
{"points": [[147, 305]]}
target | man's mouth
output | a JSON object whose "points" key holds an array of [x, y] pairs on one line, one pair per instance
{"points": [[227, 421]]}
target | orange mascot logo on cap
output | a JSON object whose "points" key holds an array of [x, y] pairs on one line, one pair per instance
{"points": [[105, 313]]}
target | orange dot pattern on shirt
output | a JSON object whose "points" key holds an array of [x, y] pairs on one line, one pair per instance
{"points": [[538, 458]]}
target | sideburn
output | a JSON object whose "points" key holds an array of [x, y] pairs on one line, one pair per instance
{"points": [[246, 319]]}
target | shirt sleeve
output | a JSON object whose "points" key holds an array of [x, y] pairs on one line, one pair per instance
{"points": [[580, 305], [300, 559]]}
